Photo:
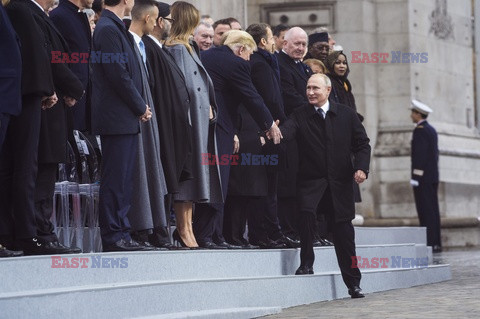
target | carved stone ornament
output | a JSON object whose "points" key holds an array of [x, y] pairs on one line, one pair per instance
{"points": [[440, 22]]}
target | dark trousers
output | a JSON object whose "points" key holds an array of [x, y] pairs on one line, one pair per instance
{"points": [[287, 215], [4, 120], [270, 208], [116, 187], [235, 217], [18, 172], [44, 190], [343, 235], [426, 201], [204, 218]]}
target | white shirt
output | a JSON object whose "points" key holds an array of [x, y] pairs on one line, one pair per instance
{"points": [[156, 40], [137, 39], [38, 5], [325, 107]]}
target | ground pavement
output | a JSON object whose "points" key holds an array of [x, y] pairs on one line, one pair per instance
{"points": [[457, 298]]}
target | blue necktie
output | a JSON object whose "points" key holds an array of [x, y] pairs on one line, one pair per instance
{"points": [[301, 67], [142, 52]]}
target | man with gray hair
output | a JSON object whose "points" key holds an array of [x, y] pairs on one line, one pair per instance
{"points": [[203, 36], [327, 134], [293, 81]]}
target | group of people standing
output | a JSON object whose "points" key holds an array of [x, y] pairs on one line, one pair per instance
{"points": [[163, 106]]}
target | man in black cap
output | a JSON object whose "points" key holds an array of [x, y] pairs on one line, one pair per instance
{"points": [[318, 47]]}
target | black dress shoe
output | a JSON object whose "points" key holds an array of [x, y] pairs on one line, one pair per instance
{"points": [[33, 246], [68, 250], [269, 244], [149, 247], [123, 245], [249, 246], [228, 246], [210, 245], [356, 292], [304, 270], [289, 242], [326, 242], [4, 252], [318, 243]]}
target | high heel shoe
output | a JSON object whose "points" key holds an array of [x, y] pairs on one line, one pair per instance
{"points": [[176, 237]]}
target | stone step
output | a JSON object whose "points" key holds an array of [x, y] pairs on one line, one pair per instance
{"points": [[160, 297], [42, 272], [390, 235]]}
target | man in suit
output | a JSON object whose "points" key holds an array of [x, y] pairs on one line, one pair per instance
{"points": [[264, 229], [203, 36], [425, 173], [18, 159], [53, 129], [318, 47], [10, 89], [118, 107], [73, 24], [327, 135], [230, 72], [293, 80], [219, 28]]}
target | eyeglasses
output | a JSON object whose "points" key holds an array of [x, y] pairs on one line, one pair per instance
{"points": [[170, 20]]}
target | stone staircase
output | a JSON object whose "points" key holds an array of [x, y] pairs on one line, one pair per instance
{"points": [[206, 283]]}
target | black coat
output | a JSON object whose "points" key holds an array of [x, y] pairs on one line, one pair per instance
{"points": [[251, 180], [53, 131], [117, 101], [425, 154], [233, 85], [10, 67], [75, 29], [36, 73], [325, 148], [293, 82], [294, 93], [172, 102]]}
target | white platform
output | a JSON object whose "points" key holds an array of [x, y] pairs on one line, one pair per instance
{"points": [[205, 283]]}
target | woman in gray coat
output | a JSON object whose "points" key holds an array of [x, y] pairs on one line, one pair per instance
{"points": [[205, 186]]}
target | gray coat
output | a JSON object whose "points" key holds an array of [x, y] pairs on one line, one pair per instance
{"points": [[205, 186], [147, 210]]}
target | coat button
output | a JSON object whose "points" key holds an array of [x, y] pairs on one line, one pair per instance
{"points": [[195, 72], [198, 89]]}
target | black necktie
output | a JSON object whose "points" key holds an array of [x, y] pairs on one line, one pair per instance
{"points": [[321, 112]]}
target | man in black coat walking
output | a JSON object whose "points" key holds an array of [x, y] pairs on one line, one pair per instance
{"points": [[327, 135], [425, 173]]}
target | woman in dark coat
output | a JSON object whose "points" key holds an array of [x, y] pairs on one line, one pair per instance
{"points": [[338, 69]]}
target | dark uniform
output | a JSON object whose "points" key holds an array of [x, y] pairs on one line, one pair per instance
{"points": [[425, 172]]}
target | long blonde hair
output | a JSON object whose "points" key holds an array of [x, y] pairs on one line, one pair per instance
{"points": [[186, 18], [5, 2]]}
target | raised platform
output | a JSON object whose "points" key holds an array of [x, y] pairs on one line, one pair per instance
{"points": [[206, 283]]}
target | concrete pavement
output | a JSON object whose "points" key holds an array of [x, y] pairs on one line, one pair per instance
{"points": [[457, 298]]}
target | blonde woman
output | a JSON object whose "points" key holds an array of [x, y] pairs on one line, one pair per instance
{"points": [[205, 186]]}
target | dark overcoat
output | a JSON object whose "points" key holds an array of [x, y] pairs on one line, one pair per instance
{"points": [[233, 85], [172, 103], [52, 146], [75, 29], [294, 87], [325, 148]]}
